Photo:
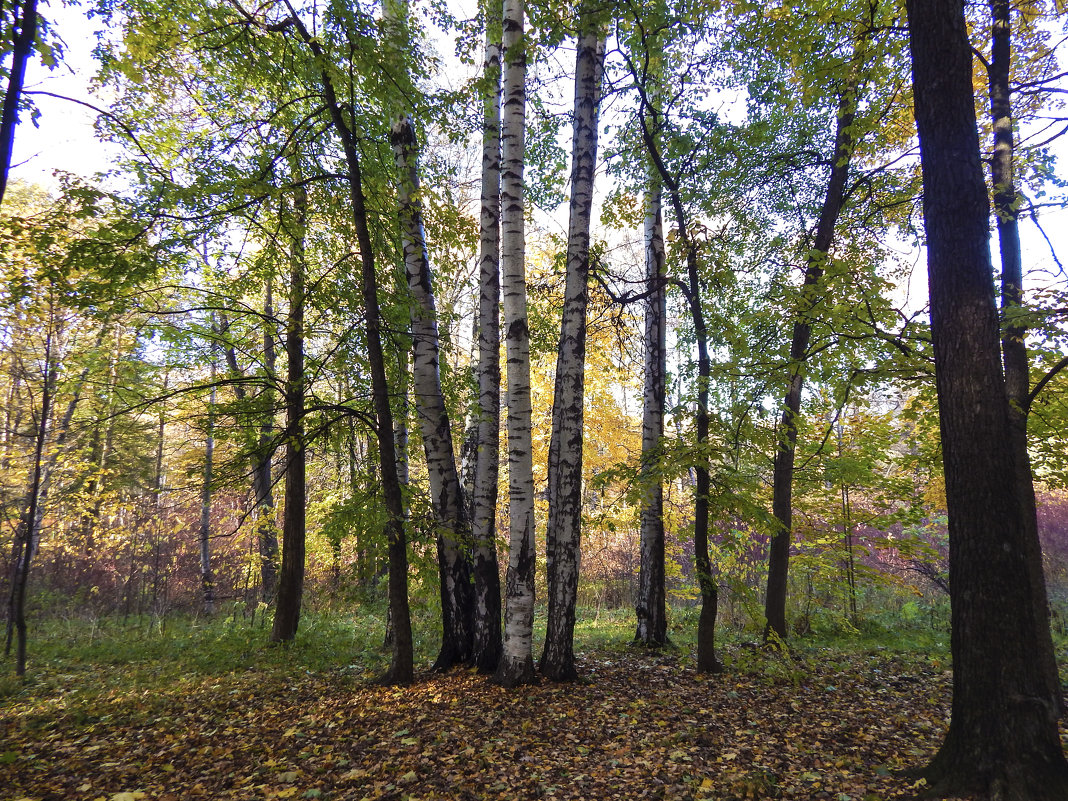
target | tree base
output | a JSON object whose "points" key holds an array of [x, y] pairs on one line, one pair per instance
{"points": [[710, 666], [653, 645], [562, 674], [999, 774], [396, 677], [1008, 785], [515, 673], [448, 657]]}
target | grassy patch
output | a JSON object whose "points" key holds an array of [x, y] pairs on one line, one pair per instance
{"points": [[208, 708]]}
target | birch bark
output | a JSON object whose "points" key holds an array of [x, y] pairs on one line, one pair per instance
{"points": [[707, 662], [517, 660], [487, 635], [563, 536], [453, 531]]}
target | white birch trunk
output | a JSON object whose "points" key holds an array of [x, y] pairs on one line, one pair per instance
{"points": [[517, 660], [487, 639], [563, 537], [457, 601]]}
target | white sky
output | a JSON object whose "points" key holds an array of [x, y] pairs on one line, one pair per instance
{"points": [[64, 139]]}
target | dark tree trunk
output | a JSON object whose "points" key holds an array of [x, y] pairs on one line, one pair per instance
{"points": [[207, 581], [401, 670], [21, 50], [262, 480], [291, 577], [25, 533], [1014, 333], [563, 534], [1002, 739], [707, 662], [651, 607], [783, 469], [28, 531], [261, 448]]}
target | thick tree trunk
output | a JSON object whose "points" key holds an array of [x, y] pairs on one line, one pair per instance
{"points": [[651, 606], [453, 529], [563, 535], [486, 653], [783, 469], [21, 50], [1014, 333], [1002, 739], [291, 577], [517, 659]]}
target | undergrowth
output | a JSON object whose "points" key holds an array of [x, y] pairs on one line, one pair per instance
{"points": [[91, 657]]}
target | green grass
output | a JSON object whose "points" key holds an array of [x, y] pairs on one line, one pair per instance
{"points": [[80, 659]]}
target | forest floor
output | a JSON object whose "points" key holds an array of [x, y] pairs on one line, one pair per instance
{"points": [[826, 723]]}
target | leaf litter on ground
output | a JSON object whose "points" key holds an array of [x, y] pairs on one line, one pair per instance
{"points": [[640, 725]]}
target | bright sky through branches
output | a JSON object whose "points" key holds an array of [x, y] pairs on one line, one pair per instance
{"points": [[64, 139]]}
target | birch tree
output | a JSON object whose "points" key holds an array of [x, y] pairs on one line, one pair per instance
{"points": [[457, 599], [563, 536], [487, 634], [517, 660], [651, 602]]}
